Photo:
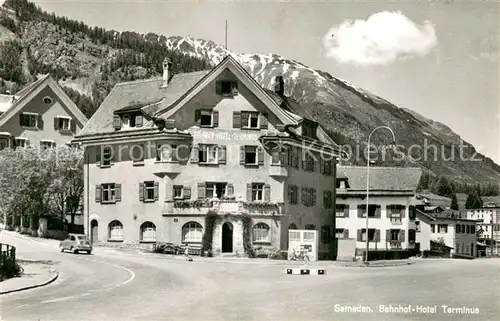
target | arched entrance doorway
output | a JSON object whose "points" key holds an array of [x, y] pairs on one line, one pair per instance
{"points": [[227, 237], [93, 231]]}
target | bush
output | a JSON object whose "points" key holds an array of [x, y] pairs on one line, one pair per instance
{"points": [[391, 255], [279, 255]]}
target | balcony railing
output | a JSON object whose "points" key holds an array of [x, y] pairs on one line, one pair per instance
{"points": [[278, 171], [168, 167], [201, 207]]}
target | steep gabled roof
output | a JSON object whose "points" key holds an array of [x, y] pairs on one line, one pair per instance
{"points": [[229, 63], [26, 94], [147, 93], [382, 178]]}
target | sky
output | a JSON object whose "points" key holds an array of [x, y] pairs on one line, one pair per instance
{"points": [[438, 58]]}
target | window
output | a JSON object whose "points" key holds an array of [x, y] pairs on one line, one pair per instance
{"points": [[250, 155], [433, 228], [309, 163], [47, 100], [21, 142], [395, 214], [4, 143], [412, 237], [310, 227], [215, 190], [308, 196], [417, 226], [442, 228], [327, 167], [108, 193], [458, 228], [261, 233], [227, 87], [257, 191], [372, 210], [45, 144], [130, 120], [309, 129], [115, 231], [279, 156], [28, 120], [63, 123], [207, 154], [166, 153], [327, 199], [340, 210], [293, 194], [148, 232], [106, 156], [371, 235], [178, 192], [206, 118], [473, 229], [250, 120], [149, 191], [394, 235], [339, 233], [192, 232]]}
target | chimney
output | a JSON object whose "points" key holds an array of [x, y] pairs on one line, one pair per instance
{"points": [[279, 85], [167, 72]]}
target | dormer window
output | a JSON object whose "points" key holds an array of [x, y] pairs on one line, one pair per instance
{"points": [[309, 129], [132, 120]]}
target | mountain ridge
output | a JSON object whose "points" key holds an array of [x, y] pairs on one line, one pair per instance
{"points": [[91, 61]]}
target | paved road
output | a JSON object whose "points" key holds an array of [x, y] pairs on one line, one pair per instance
{"points": [[111, 285]]}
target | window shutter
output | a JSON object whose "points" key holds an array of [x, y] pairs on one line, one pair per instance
{"points": [[378, 211], [155, 191], [98, 193], [303, 196], [263, 121], [412, 212], [242, 155], [236, 119], [21, 119], [377, 235], [403, 210], [194, 154], [56, 123], [387, 235], [360, 236], [141, 192], [218, 87], [325, 199], [267, 193], [221, 150], [40, 122], [230, 189], [201, 190], [118, 192], [321, 166], [388, 211], [98, 158], [72, 124], [138, 121], [186, 192], [285, 157], [402, 235], [290, 193], [244, 118], [249, 191], [346, 210], [215, 118], [197, 117], [313, 194], [260, 155], [346, 233], [117, 122]]}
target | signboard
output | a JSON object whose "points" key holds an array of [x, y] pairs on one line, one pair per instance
{"points": [[303, 244]]}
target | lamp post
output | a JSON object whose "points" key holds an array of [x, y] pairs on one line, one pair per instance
{"points": [[368, 181]]}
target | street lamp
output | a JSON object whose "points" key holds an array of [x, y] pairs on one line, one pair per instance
{"points": [[368, 181]]}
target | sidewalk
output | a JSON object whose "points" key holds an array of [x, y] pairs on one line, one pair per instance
{"points": [[265, 261], [35, 274]]}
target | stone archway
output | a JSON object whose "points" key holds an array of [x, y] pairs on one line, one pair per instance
{"points": [[227, 237]]}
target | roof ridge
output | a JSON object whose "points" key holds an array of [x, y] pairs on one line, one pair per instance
{"points": [[139, 81]]}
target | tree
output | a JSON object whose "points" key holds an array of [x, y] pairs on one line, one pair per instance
{"points": [[454, 202], [473, 200]]}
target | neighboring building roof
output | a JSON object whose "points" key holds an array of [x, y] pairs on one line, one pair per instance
{"points": [[382, 178], [492, 201], [26, 94], [435, 199], [6, 102]]}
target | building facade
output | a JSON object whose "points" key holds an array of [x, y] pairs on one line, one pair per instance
{"points": [[487, 225], [39, 115], [449, 229], [391, 207], [162, 153]]}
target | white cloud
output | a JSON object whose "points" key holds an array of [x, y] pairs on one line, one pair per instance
{"points": [[381, 39]]}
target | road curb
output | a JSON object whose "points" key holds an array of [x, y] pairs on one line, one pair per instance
{"points": [[47, 282]]}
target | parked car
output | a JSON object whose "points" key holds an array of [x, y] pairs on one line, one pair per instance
{"points": [[76, 243]]}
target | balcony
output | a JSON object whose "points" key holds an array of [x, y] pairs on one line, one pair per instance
{"points": [[278, 171], [167, 168], [201, 207]]}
